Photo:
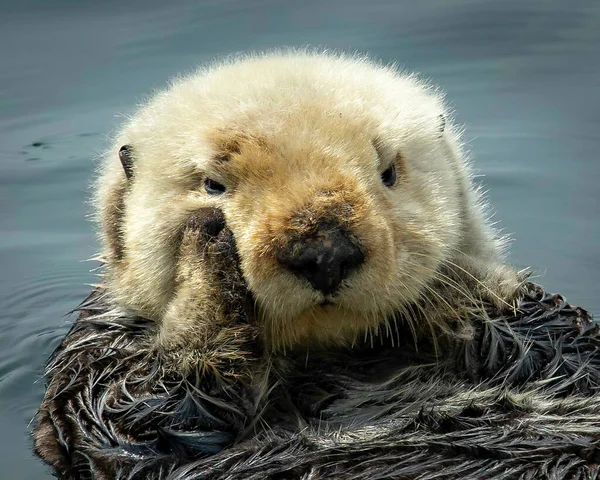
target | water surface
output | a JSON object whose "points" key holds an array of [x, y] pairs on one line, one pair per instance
{"points": [[522, 75]]}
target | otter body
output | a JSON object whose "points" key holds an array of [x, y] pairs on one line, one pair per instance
{"points": [[518, 400], [281, 233]]}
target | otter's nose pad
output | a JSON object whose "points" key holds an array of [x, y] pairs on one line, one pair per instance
{"points": [[324, 258]]}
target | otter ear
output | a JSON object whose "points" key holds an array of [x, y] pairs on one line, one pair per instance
{"points": [[441, 124], [126, 157]]}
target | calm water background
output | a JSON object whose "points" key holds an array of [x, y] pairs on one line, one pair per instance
{"points": [[524, 77]]}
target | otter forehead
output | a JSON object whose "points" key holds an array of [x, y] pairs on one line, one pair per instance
{"points": [[254, 157], [294, 97]]}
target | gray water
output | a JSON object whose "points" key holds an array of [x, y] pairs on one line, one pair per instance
{"points": [[524, 77]]}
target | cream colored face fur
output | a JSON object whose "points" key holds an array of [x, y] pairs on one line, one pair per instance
{"points": [[296, 138]]}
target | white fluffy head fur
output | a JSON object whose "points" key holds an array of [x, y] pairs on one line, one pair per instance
{"points": [[297, 138]]}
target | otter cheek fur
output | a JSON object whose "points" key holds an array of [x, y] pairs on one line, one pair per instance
{"points": [[342, 182]]}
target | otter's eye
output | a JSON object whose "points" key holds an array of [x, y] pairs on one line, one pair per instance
{"points": [[213, 188], [389, 176]]}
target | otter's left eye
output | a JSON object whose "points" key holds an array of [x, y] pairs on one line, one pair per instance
{"points": [[213, 188], [389, 176]]}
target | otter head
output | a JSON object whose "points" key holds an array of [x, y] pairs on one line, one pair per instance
{"points": [[341, 181]]}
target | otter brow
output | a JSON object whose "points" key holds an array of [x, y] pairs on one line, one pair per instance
{"points": [[384, 157], [222, 157], [381, 155], [226, 148], [378, 146]]}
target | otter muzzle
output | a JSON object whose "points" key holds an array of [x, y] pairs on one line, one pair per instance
{"points": [[324, 257]]}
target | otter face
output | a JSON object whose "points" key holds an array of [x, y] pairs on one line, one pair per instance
{"points": [[329, 243], [343, 188]]}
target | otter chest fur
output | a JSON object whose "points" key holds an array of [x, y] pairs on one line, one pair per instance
{"points": [[296, 260]]}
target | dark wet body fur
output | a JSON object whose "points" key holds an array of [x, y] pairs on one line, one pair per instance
{"points": [[518, 400]]}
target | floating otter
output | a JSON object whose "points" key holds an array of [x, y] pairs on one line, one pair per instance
{"points": [[300, 282]]}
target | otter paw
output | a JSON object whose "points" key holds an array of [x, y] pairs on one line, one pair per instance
{"points": [[207, 236], [210, 290]]}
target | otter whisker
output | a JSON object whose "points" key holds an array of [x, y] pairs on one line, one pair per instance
{"points": [[474, 278], [446, 280]]}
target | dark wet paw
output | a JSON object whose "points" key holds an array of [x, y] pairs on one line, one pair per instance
{"points": [[207, 222], [215, 245]]}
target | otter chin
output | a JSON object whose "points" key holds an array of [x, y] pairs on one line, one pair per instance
{"points": [[343, 182]]}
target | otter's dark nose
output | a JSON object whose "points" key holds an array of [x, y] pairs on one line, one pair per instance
{"points": [[324, 258]]}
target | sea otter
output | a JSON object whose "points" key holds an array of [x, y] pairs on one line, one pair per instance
{"points": [[279, 233]]}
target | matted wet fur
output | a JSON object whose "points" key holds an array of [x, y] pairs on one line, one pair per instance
{"points": [[518, 400]]}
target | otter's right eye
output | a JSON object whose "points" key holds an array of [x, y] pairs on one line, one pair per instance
{"points": [[213, 188], [389, 176]]}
